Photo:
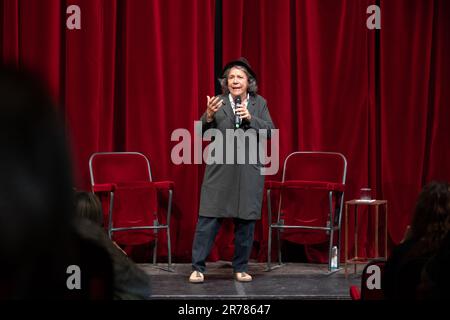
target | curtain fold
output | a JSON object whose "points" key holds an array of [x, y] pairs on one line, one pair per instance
{"points": [[411, 86]]}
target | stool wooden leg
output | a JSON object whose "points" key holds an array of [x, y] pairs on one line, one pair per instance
{"points": [[385, 230], [346, 237]]}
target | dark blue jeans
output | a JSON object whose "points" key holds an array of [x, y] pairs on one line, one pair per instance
{"points": [[205, 233]]}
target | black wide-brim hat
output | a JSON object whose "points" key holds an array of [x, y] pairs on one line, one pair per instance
{"points": [[240, 62]]}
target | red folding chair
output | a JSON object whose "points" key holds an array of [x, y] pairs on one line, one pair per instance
{"points": [[123, 181], [311, 197]]}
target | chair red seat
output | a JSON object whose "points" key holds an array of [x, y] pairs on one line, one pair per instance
{"points": [[130, 198]]}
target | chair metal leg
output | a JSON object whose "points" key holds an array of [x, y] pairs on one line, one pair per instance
{"points": [[269, 248], [270, 233], [339, 231], [330, 255], [331, 225], [169, 246], [341, 208], [330, 248], [339, 249], [169, 253], [110, 216], [155, 250], [269, 252], [167, 227], [279, 246], [330, 251]]}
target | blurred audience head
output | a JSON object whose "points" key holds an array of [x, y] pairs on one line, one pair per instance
{"points": [[35, 173], [88, 206], [431, 220], [37, 238]]}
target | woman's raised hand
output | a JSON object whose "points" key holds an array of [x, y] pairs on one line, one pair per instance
{"points": [[213, 104]]}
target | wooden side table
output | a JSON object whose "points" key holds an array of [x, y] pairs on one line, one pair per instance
{"points": [[371, 204]]}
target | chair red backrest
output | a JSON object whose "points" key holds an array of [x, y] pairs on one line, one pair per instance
{"points": [[119, 167], [135, 196], [315, 166]]}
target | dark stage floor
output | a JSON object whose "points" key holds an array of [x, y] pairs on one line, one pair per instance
{"points": [[291, 281]]}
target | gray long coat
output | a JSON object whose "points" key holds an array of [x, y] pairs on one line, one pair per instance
{"points": [[235, 190]]}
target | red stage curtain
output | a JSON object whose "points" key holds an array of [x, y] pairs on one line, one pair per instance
{"points": [[139, 69], [414, 103]]}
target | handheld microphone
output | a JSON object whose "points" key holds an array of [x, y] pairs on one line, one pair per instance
{"points": [[237, 119]]}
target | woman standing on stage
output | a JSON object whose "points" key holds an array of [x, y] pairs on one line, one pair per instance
{"points": [[232, 190]]}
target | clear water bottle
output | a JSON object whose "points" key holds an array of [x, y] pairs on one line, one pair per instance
{"points": [[334, 257]]}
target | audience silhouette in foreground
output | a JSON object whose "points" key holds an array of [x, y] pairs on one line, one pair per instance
{"points": [[417, 259], [42, 256]]}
